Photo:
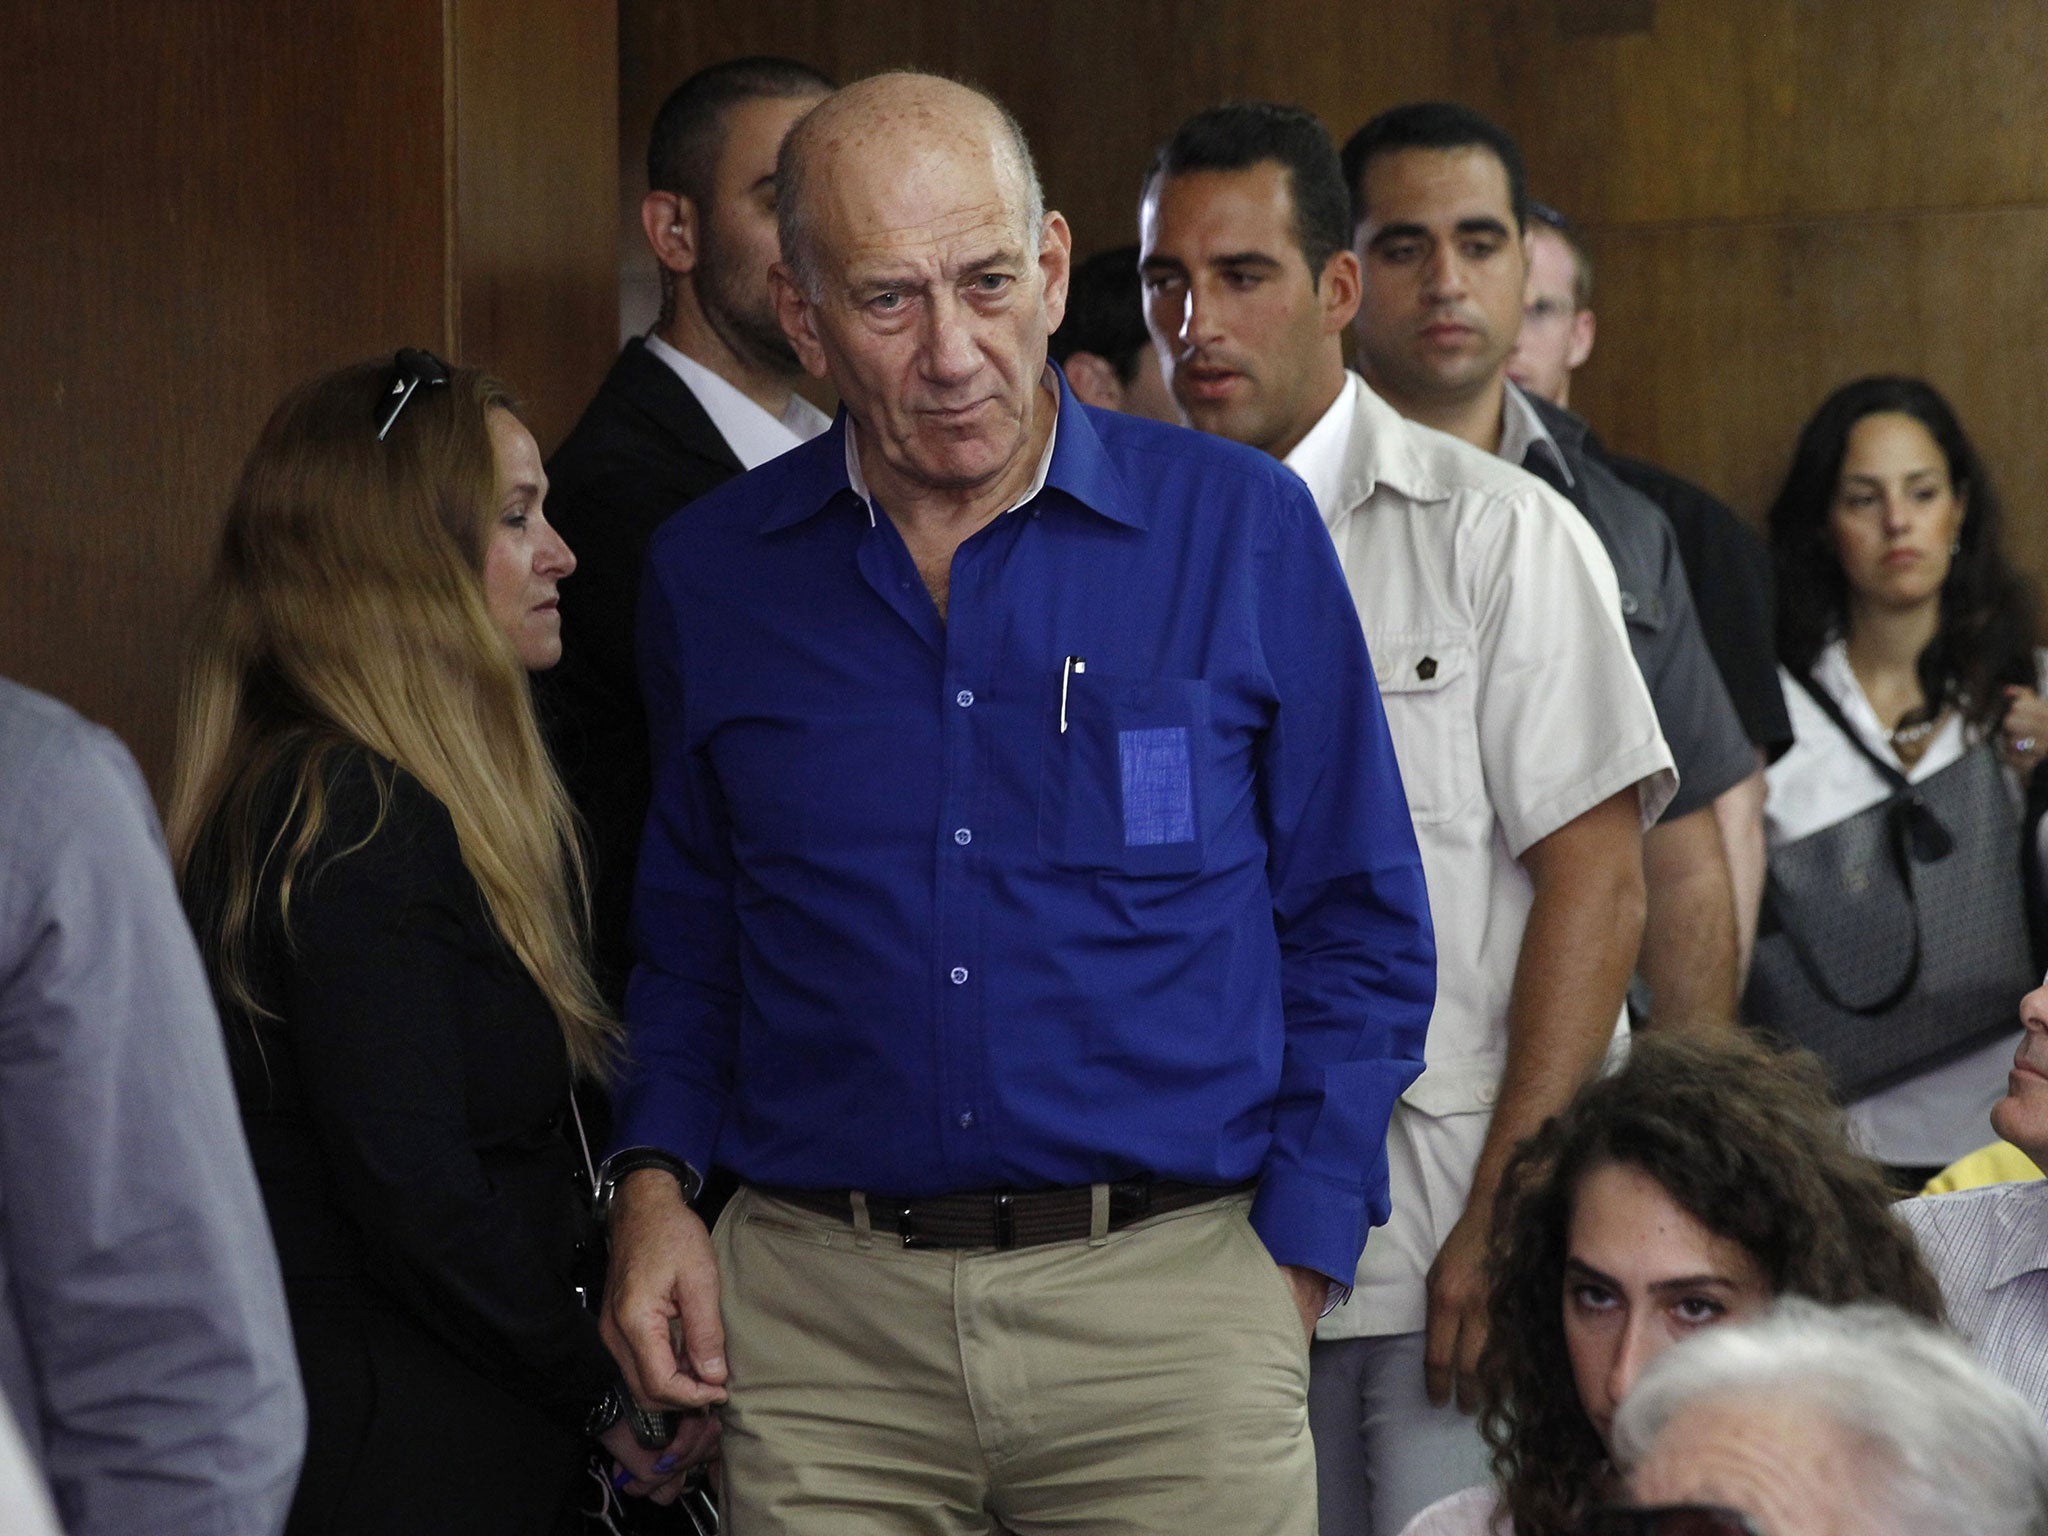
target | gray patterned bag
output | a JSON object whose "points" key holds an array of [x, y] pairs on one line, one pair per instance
{"points": [[1897, 939]]}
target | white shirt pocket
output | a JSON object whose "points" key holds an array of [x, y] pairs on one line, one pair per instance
{"points": [[1429, 688]]}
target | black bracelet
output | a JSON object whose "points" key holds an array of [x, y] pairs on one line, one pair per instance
{"points": [[605, 1412], [631, 1160]]}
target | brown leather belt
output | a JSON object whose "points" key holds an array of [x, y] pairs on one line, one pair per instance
{"points": [[1003, 1218]]}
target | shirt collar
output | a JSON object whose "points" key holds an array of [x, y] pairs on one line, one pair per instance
{"points": [[1522, 429], [1381, 447], [1074, 461], [754, 434], [2022, 1233], [1321, 456]]}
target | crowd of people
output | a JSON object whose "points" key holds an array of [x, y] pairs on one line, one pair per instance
{"points": [[1199, 913]]}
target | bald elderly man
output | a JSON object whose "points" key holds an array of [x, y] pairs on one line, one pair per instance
{"points": [[1029, 911]]}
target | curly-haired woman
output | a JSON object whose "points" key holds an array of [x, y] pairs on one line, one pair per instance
{"points": [[1703, 1179]]}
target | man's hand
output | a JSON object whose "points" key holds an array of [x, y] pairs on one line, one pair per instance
{"points": [[663, 1283], [661, 1475], [1457, 1314], [1311, 1294]]}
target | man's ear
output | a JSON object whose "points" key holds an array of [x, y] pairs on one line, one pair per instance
{"points": [[670, 223], [1582, 339], [1094, 381], [798, 318], [1055, 266], [1339, 289]]}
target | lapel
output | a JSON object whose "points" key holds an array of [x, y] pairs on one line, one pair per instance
{"points": [[642, 384]]}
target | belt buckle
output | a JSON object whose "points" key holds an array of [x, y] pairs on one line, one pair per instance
{"points": [[1006, 1220], [906, 1228], [1130, 1201]]}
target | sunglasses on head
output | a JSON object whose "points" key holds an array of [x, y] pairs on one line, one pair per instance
{"points": [[1670, 1520], [411, 370]]}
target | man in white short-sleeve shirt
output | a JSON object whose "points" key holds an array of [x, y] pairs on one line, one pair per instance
{"points": [[1528, 746]]}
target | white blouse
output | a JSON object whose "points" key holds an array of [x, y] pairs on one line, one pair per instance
{"points": [[1939, 1116]]}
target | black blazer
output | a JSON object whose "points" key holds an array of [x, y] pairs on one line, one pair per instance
{"points": [[406, 1109], [643, 449]]}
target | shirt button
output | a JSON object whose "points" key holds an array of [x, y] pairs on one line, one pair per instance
{"points": [[967, 1121], [1628, 604], [959, 975], [964, 697], [963, 837]]}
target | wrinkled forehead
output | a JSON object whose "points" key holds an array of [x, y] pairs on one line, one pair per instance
{"points": [[924, 191]]}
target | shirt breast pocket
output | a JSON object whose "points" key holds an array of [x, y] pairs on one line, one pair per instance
{"points": [[1642, 610], [1122, 788], [1429, 686]]}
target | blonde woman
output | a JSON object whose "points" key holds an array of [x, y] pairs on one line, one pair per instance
{"points": [[380, 866]]}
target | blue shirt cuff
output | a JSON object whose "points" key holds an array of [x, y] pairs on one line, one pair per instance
{"points": [[1311, 1223]]}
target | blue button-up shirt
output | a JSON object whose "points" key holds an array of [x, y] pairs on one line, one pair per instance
{"points": [[1108, 872]]}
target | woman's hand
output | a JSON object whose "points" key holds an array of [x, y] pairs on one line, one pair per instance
{"points": [[660, 1474], [2023, 736]]}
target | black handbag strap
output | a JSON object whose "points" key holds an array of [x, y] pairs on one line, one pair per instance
{"points": [[1912, 825], [1930, 839]]}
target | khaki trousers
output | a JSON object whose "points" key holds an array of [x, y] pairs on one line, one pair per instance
{"points": [[1152, 1380]]}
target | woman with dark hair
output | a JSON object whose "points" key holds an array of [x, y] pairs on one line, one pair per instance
{"points": [[1905, 640], [380, 866], [1696, 1184]]}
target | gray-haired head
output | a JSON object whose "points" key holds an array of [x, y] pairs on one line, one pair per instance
{"points": [[899, 109], [1940, 1447]]}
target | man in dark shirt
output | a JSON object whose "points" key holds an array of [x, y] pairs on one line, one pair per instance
{"points": [[708, 393], [1030, 912], [1102, 343], [1726, 565]]}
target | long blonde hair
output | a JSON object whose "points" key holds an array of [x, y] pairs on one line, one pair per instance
{"points": [[346, 606]]}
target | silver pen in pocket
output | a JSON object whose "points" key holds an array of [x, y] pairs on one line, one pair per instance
{"points": [[1072, 665]]}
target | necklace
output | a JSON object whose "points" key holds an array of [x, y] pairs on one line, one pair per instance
{"points": [[1913, 735]]}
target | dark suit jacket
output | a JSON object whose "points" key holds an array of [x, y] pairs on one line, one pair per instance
{"points": [[643, 449], [1729, 570]]}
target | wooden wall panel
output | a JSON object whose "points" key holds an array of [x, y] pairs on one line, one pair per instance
{"points": [[1096, 83], [207, 202], [210, 201], [1769, 108], [1720, 341], [536, 122]]}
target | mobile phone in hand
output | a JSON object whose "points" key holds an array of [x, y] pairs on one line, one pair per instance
{"points": [[653, 1428]]}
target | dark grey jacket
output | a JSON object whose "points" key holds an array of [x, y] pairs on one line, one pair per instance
{"points": [[1698, 718]]}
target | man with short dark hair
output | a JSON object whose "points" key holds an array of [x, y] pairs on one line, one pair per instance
{"points": [[1529, 753], [1440, 208], [1029, 912], [1727, 567], [706, 394], [1103, 345]]}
